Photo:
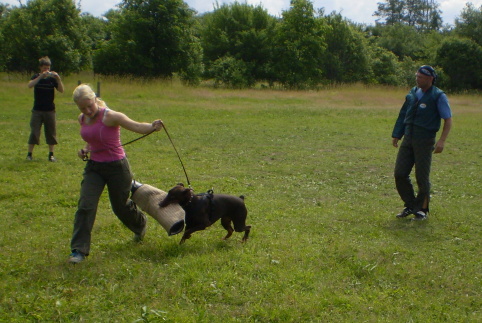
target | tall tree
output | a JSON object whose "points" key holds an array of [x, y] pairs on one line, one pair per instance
{"points": [[433, 16], [392, 11], [45, 27], [470, 23], [401, 39], [422, 14], [299, 46], [3, 10], [151, 38], [346, 58], [3, 57], [95, 29]]}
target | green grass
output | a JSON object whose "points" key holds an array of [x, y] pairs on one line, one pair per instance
{"points": [[316, 170]]}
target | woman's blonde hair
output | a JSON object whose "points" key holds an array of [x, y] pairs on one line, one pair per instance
{"points": [[84, 91]]}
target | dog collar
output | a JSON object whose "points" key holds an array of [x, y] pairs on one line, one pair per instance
{"points": [[190, 200]]}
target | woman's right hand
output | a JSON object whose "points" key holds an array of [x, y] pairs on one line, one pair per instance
{"points": [[157, 125]]}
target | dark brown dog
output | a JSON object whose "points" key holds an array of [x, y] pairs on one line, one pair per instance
{"points": [[202, 210]]}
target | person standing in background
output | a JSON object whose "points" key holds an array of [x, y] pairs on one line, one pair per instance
{"points": [[418, 122], [43, 112]]}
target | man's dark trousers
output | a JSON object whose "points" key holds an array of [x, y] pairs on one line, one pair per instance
{"points": [[418, 153]]}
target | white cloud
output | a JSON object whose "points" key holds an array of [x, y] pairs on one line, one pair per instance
{"points": [[452, 8], [98, 7]]}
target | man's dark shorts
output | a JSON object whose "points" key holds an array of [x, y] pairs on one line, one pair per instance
{"points": [[47, 118]]}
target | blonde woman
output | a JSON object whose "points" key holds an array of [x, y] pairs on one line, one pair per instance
{"points": [[108, 165]]}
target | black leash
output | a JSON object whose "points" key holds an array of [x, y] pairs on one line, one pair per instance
{"points": [[178, 156], [86, 153]]}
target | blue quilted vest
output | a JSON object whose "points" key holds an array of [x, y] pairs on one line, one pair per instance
{"points": [[419, 118]]}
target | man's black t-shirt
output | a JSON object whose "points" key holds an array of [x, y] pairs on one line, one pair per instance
{"points": [[44, 94]]}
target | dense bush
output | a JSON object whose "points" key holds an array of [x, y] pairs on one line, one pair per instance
{"points": [[231, 72], [461, 60], [241, 36]]}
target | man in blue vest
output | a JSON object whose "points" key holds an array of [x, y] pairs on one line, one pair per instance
{"points": [[418, 122]]}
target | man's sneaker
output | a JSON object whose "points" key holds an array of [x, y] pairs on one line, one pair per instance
{"points": [[76, 257], [52, 159], [420, 216], [406, 212], [29, 157]]}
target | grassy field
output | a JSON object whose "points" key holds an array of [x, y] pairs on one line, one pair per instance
{"points": [[316, 169]]}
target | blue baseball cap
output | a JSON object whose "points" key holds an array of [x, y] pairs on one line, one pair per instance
{"points": [[427, 70]]}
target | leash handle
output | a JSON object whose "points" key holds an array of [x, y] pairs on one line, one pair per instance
{"points": [[178, 156]]}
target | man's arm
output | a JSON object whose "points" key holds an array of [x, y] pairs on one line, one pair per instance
{"points": [[439, 146], [34, 81], [60, 85]]}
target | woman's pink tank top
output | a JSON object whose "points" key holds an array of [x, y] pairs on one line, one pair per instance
{"points": [[104, 141]]}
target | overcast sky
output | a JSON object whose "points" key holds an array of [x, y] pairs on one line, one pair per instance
{"points": [[359, 11]]}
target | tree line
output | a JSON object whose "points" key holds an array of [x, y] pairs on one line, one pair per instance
{"points": [[240, 45]]}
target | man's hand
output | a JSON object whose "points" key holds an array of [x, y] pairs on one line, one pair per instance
{"points": [[439, 146], [395, 142]]}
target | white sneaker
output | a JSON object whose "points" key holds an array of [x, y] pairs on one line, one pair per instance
{"points": [[420, 216]]}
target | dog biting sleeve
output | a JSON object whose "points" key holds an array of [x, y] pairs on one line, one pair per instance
{"points": [[171, 217]]}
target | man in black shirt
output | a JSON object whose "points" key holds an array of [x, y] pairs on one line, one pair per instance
{"points": [[43, 112]]}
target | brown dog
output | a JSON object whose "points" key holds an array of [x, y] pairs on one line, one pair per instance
{"points": [[202, 210]]}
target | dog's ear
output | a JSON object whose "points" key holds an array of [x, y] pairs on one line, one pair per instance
{"points": [[180, 184]]}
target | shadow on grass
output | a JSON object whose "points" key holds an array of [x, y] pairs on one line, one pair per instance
{"points": [[413, 232], [165, 250]]}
